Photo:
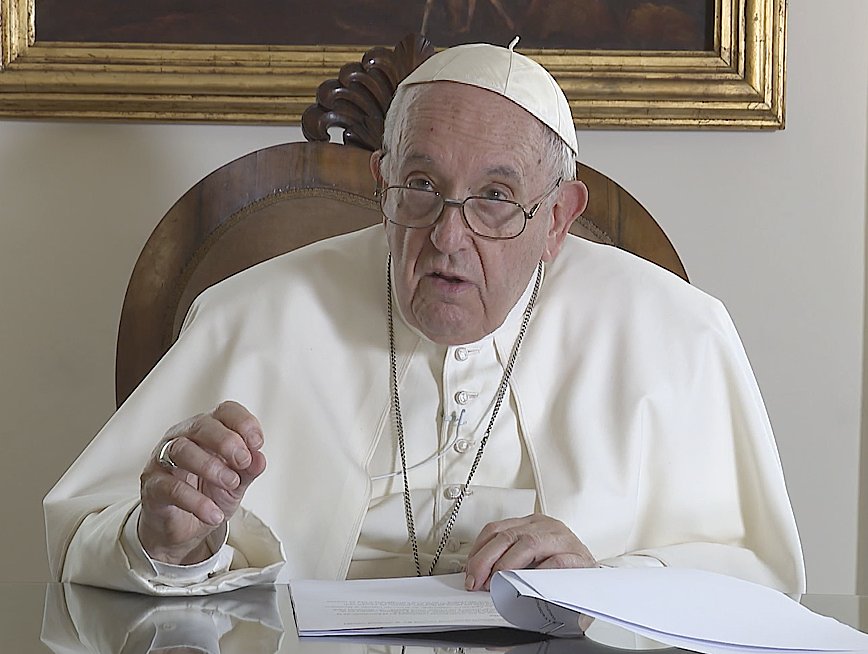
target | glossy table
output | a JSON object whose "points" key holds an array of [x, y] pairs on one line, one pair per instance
{"points": [[59, 618]]}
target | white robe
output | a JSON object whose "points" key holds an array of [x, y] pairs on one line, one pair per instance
{"points": [[641, 417]]}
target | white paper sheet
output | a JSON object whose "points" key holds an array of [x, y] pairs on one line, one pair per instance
{"points": [[411, 605], [692, 609]]}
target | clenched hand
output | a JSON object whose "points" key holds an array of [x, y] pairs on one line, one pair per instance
{"points": [[217, 457]]}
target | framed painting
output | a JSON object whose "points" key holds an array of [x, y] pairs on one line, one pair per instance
{"points": [[622, 63]]}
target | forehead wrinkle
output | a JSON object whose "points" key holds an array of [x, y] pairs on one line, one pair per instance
{"points": [[424, 107], [498, 171], [401, 161], [417, 158]]}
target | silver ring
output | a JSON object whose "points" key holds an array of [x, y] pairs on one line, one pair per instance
{"points": [[164, 458]]}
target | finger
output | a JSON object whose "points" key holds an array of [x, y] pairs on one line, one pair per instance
{"points": [[480, 566], [229, 499], [163, 491], [568, 560], [190, 457], [251, 472], [492, 529], [547, 542], [519, 543], [237, 418], [488, 548], [509, 550], [213, 436]]}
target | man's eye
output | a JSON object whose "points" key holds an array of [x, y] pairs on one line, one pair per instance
{"points": [[421, 184], [495, 194]]}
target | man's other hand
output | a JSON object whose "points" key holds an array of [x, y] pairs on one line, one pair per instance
{"points": [[217, 456], [535, 541]]}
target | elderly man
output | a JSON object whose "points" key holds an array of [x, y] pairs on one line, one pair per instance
{"points": [[473, 389]]}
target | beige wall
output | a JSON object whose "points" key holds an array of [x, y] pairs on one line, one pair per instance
{"points": [[862, 552], [772, 223]]}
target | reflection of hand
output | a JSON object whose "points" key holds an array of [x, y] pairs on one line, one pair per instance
{"points": [[535, 541], [87, 620], [217, 457]]}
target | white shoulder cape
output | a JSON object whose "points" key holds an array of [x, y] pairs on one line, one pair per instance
{"points": [[643, 422]]}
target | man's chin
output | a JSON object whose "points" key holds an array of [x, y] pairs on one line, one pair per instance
{"points": [[449, 327]]}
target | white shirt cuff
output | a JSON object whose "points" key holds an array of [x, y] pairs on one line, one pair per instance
{"points": [[171, 574]]}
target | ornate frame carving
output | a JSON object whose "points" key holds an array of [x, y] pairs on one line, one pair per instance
{"points": [[738, 85]]}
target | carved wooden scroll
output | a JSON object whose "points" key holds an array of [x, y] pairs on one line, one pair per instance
{"points": [[358, 99]]}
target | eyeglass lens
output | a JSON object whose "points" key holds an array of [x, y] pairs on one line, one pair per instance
{"points": [[487, 217]]}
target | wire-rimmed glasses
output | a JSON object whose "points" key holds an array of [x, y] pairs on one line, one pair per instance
{"points": [[493, 218]]}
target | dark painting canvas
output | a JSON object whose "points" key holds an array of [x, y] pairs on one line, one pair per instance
{"points": [[550, 24]]}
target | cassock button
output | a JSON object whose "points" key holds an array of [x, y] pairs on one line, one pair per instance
{"points": [[462, 397], [461, 445], [452, 492], [461, 354]]}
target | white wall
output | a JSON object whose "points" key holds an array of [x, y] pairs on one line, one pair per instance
{"points": [[772, 223]]}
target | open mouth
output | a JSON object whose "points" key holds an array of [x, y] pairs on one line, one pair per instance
{"points": [[448, 278]]}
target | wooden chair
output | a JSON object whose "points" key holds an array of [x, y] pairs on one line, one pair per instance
{"points": [[280, 198]]}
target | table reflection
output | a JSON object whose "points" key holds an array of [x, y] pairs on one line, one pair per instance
{"points": [[84, 619], [79, 619]]}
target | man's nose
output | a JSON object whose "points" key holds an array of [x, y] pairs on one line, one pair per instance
{"points": [[450, 232]]}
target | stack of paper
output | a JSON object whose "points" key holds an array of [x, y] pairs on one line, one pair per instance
{"points": [[390, 606], [691, 609]]}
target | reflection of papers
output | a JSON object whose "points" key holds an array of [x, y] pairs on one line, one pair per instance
{"points": [[498, 639], [411, 605], [692, 609]]}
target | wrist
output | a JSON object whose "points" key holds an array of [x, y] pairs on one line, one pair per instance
{"points": [[197, 555], [188, 553]]}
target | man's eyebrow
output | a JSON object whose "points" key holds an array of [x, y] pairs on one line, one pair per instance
{"points": [[504, 171], [500, 171], [418, 157]]}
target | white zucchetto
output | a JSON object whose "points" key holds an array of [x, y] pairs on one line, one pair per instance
{"points": [[507, 73]]}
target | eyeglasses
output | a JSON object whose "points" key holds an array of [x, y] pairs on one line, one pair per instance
{"points": [[487, 217]]}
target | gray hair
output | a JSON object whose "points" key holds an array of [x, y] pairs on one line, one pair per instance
{"points": [[558, 155], [395, 111], [556, 152]]}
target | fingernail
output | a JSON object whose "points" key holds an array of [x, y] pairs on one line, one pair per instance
{"points": [[242, 458], [255, 440], [469, 582], [214, 516], [229, 479]]}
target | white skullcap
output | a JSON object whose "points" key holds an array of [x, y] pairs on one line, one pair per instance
{"points": [[507, 73]]}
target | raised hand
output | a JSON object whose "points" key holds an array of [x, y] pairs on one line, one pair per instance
{"points": [[195, 480]]}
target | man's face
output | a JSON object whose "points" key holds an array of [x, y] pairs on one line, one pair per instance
{"points": [[452, 285]]}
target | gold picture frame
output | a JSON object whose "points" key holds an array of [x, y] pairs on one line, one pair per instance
{"points": [[740, 84]]}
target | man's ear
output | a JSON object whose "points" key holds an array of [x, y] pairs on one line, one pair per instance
{"points": [[572, 199], [376, 162]]}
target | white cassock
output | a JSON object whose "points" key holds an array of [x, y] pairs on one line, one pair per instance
{"points": [[632, 416]]}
